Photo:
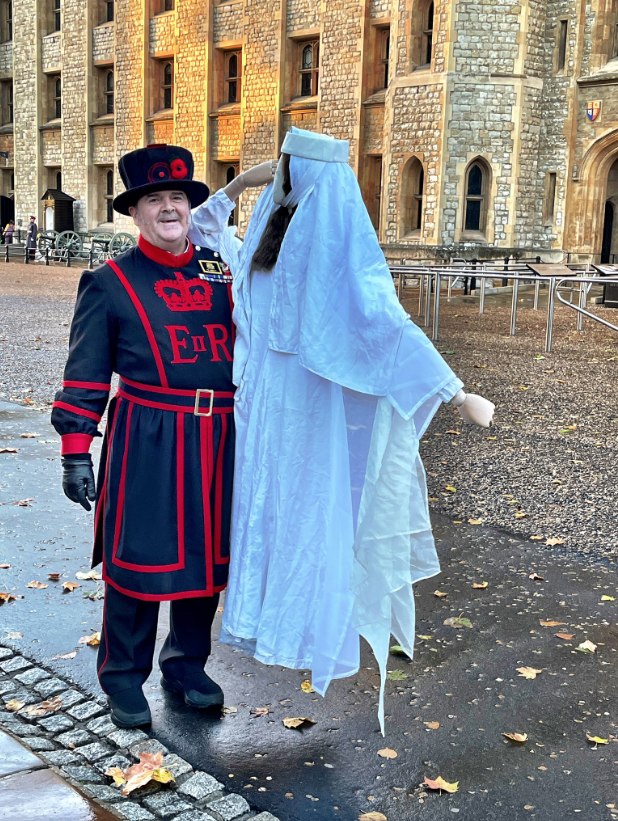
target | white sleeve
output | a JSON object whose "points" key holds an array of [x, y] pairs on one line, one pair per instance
{"points": [[209, 222]]}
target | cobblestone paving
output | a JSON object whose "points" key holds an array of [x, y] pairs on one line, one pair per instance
{"points": [[542, 471], [84, 754]]}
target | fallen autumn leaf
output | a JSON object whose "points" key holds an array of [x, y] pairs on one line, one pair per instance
{"points": [[297, 723], [387, 753], [519, 738], [440, 784], [37, 585], [51, 705], [528, 672], [587, 647], [69, 587]]}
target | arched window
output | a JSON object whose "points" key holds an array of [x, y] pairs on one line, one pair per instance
{"points": [[59, 180], [109, 196], [413, 189], [167, 86], [109, 92], [233, 68], [423, 34], [309, 61], [57, 109], [476, 187]]}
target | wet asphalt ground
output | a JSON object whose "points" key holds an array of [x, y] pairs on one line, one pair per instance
{"points": [[464, 678], [533, 463]]}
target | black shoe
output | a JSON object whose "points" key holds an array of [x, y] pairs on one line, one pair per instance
{"points": [[129, 709], [199, 691]]}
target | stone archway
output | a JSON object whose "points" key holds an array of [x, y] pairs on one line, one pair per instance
{"points": [[586, 209]]}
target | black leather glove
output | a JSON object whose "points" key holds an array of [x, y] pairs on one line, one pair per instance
{"points": [[78, 478]]}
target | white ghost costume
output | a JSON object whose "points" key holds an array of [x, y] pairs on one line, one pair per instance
{"points": [[336, 385]]}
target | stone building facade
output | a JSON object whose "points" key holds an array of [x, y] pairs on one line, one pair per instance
{"points": [[477, 127]]}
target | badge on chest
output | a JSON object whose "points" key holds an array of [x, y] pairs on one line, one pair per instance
{"points": [[214, 271]]}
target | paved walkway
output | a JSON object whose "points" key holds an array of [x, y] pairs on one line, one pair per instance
{"points": [[31, 791]]}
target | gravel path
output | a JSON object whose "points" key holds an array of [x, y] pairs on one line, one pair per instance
{"points": [[542, 471]]}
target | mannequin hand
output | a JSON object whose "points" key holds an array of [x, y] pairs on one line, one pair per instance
{"points": [[260, 174], [474, 409], [78, 479]]}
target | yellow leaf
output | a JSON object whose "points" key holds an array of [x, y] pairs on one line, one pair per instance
{"points": [[565, 636], [440, 594], [587, 647], [306, 687], [596, 740], [519, 738], [475, 521], [372, 816], [118, 776], [14, 705], [553, 542], [528, 672], [608, 598], [6, 597], [387, 753], [523, 388], [297, 723], [544, 623], [441, 784], [433, 725], [521, 515], [37, 585], [426, 638], [451, 489], [162, 775], [536, 538], [70, 586], [454, 432], [480, 585]]}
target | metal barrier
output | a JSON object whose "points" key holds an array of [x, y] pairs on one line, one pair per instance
{"points": [[430, 278]]}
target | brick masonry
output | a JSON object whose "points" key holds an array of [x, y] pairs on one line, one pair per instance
{"points": [[493, 91]]}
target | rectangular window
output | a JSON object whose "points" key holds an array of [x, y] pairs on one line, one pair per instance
{"points": [[309, 68], [54, 82], [109, 11], [233, 78], [7, 21], [550, 198], [107, 82], [385, 43], [109, 195], [7, 102], [562, 44], [57, 15]]}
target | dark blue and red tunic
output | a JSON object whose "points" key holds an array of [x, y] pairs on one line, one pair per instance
{"points": [[163, 323]]}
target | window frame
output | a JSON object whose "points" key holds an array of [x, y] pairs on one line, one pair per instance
{"points": [[109, 94], [413, 203], [562, 45], [230, 81], [109, 195], [233, 166], [7, 21], [313, 72], [56, 15], [56, 97], [166, 88], [482, 198], [384, 56], [109, 11], [549, 206]]}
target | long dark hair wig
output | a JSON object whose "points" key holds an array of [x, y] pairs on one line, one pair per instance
{"points": [[267, 252]]}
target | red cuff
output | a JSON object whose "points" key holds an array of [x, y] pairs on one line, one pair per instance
{"points": [[75, 443]]}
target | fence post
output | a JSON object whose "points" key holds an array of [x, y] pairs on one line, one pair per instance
{"points": [[505, 280], [537, 286], [47, 255], [6, 256], [421, 293], [514, 305], [428, 300], [68, 258], [582, 304], [436, 309], [26, 260], [482, 299], [550, 314], [91, 266]]}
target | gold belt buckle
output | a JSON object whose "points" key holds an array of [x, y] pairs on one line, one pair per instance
{"points": [[196, 409]]}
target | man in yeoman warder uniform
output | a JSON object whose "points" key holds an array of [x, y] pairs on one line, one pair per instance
{"points": [[160, 316]]}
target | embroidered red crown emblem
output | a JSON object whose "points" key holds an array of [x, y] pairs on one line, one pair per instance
{"points": [[185, 294]]}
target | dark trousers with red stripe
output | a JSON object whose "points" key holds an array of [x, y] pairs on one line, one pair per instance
{"points": [[129, 635]]}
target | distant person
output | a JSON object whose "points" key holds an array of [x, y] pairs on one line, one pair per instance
{"points": [[7, 234], [31, 235]]}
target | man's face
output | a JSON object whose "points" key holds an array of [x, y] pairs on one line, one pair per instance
{"points": [[163, 218]]}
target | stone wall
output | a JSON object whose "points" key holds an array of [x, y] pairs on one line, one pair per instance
{"points": [[341, 64], [27, 90], [51, 51], [307, 120], [530, 182], [303, 15], [415, 130], [487, 34], [104, 43], [103, 149], [191, 82], [482, 124], [379, 9], [373, 139], [51, 148], [6, 59], [226, 138], [75, 109], [228, 23], [162, 33]]}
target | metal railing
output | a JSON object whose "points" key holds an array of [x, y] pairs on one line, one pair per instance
{"points": [[430, 281]]}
